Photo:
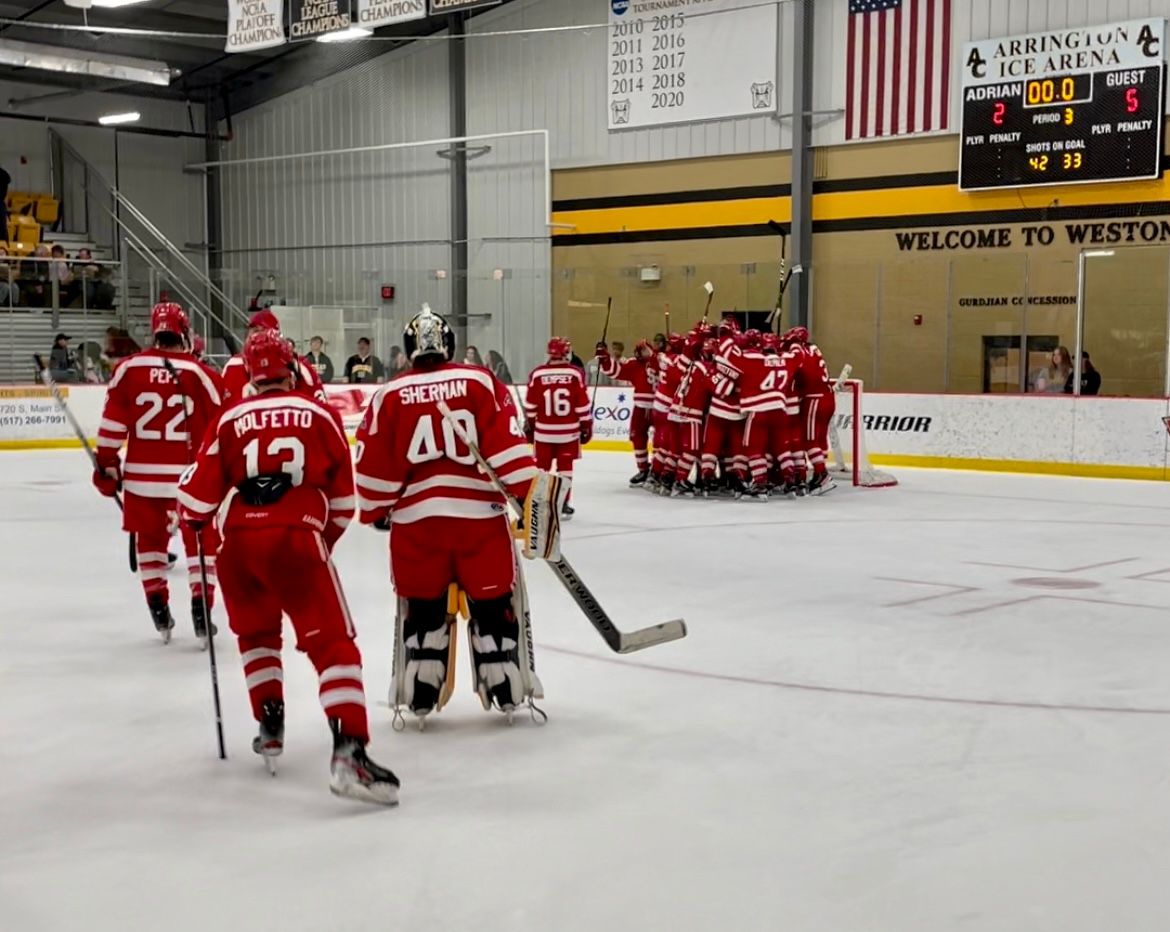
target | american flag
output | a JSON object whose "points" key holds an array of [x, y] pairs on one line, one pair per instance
{"points": [[898, 67]]}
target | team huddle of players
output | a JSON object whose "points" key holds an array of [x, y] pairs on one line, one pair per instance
{"points": [[744, 413]]}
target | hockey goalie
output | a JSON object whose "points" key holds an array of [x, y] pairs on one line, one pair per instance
{"points": [[451, 545]]}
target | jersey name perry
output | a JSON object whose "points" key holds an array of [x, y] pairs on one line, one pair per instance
{"points": [[252, 421], [429, 394]]}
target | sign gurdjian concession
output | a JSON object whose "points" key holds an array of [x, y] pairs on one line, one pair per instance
{"points": [[682, 61], [254, 24], [308, 19], [375, 13]]}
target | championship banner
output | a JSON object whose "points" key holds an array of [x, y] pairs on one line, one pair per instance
{"points": [[254, 25], [374, 13], [442, 7], [308, 19], [683, 61]]}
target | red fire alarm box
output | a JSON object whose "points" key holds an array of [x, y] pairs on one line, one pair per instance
{"points": [[388, 292]]}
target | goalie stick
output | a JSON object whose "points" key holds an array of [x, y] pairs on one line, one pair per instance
{"points": [[621, 642], [55, 391]]}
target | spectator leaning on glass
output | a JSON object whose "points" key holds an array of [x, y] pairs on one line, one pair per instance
{"points": [[472, 357], [499, 367], [1090, 378], [62, 361], [96, 288], [318, 361], [1052, 381], [364, 366], [9, 292]]}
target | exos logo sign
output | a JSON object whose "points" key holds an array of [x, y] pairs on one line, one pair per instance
{"points": [[619, 7]]}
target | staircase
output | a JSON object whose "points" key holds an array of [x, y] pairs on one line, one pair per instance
{"points": [[23, 333]]}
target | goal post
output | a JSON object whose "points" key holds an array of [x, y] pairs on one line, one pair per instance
{"points": [[849, 457]]}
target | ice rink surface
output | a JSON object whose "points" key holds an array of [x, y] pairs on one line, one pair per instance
{"points": [[940, 707]]}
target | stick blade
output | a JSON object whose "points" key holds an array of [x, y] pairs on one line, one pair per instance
{"points": [[709, 288], [653, 636]]}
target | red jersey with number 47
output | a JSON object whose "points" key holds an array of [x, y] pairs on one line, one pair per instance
{"points": [[411, 462], [557, 404], [275, 434], [766, 381], [160, 421]]}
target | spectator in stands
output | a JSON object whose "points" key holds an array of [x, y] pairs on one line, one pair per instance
{"points": [[364, 367], [499, 367], [617, 351], [1090, 378], [62, 361], [9, 292], [68, 287], [5, 181], [1052, 381], [34, 278], [95, 285], [399, 362], [320, 363], [472, 357]]}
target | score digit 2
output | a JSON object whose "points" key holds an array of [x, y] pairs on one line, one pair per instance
{"points": [[998, 114]]}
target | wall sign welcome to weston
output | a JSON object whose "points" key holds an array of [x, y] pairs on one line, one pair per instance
{"points": [[1064, 107], [682, 61]]}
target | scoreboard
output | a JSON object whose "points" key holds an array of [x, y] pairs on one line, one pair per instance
{"points": [[1067, 107]]}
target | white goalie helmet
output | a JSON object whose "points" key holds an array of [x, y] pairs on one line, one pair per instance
{"points": [[428, 334]]}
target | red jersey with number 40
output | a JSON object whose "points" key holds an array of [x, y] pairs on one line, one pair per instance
{"points": [[411, 463], [276, 433], [158, 420], [556, 403]]}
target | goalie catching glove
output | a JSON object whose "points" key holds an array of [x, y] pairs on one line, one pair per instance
{"points": [[539, 528]]}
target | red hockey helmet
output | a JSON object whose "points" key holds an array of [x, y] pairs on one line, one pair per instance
{"points": [[702, 330], [197, 346], [559, 348], [797, 335], [728, 325], [263, 320], [268, 357], [710, 348], [169, 317], [751, 339], [675, 343], [643, 349], [693, 346], [771, 343]]}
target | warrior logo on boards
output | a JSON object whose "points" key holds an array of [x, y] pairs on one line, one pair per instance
{"points": [[762, 95], [621, 112]]}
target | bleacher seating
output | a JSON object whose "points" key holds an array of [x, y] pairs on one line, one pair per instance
{"points": [[29, 214]]}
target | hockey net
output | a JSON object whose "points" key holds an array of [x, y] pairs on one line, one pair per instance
{"points": [[848, 456]]}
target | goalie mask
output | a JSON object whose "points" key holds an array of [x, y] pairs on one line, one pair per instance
{"points": [[427, 334]]}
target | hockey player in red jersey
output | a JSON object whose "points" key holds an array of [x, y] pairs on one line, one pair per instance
{"points": [[159, 421], [235, 373], [559, 415], [670, 372], [690, 406], [283, 466], [818, 404], [450, 525], [641, 372], [723, 433]]}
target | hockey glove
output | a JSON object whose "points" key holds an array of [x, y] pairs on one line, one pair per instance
{"points": [[586, 432], [382, 524], [108, 480], [530, 431], [601, 351]]}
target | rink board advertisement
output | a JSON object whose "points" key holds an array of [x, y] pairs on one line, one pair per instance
{"points": [[1107, 437]]}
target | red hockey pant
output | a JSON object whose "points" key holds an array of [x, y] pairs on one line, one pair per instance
{"points": [[269, 571], [769, 434], [640, 437], [563, 455], [665, 445], [427, 556], [688, 436], [151, 521], [723, 444], [816, 414]]}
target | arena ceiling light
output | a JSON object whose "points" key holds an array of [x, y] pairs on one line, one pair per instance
{"points": [[95, 64], [346, 35], [116, 119]]}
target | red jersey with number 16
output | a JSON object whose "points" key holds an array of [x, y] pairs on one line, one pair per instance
{"points": [[411, 463], [158, 420], [557, 404]]}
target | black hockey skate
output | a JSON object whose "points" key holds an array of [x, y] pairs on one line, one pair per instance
{"points": [[755, 493], [354, 775], [567, 511], [200, 621], [683, 489], [820, 483], [269, 743], [639, 479], [666, 485], [160, 613]]}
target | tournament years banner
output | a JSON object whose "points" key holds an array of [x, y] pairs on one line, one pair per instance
{"points": [[442, 7], [684, 61], [374, 13], [254, 25], [308, 19]]}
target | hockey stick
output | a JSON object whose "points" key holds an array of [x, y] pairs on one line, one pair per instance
{"points": [[597, 372], [55, 391], [785, 273], [620, 642], [710, 289], [202, 576]]}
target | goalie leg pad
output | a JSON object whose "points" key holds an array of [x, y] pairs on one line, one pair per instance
{"points": [[495, 654], [542, 516], [426, 640]]}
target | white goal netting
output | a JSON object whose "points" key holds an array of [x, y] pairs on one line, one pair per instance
{"points": [[848, 455]]}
